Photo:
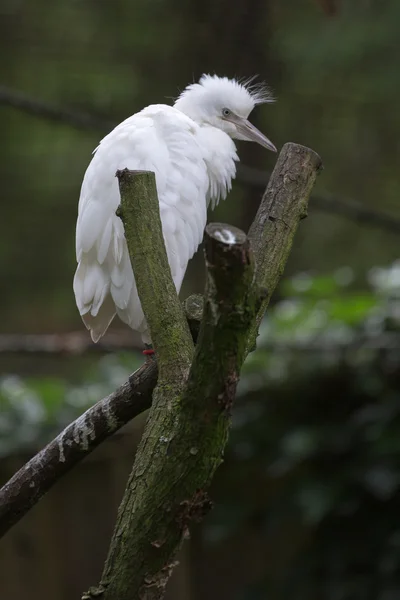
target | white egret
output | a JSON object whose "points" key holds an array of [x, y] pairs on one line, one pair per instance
{"points": [[190, 148]]}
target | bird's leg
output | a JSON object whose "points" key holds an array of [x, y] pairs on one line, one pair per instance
{"points": [[148, 351]]}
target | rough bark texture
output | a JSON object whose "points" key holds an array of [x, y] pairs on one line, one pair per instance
{"points": [[136, 534], [186, 432], [282, 207], [188, 424], [140, 214]]}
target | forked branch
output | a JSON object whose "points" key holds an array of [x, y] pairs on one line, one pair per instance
{"points": [[271, 240], [187, 429]]}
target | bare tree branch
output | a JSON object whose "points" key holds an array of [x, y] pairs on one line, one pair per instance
{"points": [[28, 485], [71, 343], [347, 208], [171, 338], [283, 205], [77, 342], [140, 213], [188, 424], [73, 444], [356, 212], [82, 436], [38, 108], [186, 431]]}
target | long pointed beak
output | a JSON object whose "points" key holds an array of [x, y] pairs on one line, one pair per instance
{"points": [[253, 134]]}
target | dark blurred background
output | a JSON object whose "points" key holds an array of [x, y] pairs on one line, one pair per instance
{"points": [[307, 502]]}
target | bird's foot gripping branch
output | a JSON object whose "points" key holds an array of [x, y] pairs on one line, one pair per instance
{"points": [[187, 428]]}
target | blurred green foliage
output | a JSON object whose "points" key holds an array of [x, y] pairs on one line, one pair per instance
{"points": [[33, 410], [315, 446], [313, 462], [315, 439]]}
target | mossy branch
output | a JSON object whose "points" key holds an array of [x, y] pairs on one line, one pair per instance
{"points": [[188, 424], [283, 205], [137, 531], [186, 432]]}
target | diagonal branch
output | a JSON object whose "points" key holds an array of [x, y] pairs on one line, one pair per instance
{"points": [[282, 207], [82, 436], [73, 444], [38, 108], [343, 207], [356, 212]]}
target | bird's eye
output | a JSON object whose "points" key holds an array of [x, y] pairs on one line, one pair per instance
{"points": [[226, 112]]}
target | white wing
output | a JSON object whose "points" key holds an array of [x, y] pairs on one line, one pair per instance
{"points": [[159, 139], [220, 157]]}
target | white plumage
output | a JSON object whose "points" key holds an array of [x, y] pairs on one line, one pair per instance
{"points": [[190, 148]]}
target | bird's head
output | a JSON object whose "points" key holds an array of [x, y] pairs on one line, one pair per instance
{"points": [[226, 104]]}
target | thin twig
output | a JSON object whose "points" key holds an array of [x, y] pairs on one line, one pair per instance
{"points": [[356, 212], [343, 207], [77, 343], [44, 110], [71, 343]]}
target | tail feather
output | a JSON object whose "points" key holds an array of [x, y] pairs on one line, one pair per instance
{"points": [[99, 324], [93, 298]]}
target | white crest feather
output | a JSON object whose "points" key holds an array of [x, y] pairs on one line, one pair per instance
{"points": [[259, 90]]}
